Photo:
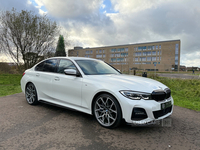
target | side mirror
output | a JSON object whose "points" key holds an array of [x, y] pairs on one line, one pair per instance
{"points": [[72, 72]]}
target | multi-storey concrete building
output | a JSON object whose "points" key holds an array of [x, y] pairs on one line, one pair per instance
{"points": [[159, 56]]}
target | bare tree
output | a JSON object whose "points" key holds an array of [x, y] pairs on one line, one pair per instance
{"points": [[25, 36]]}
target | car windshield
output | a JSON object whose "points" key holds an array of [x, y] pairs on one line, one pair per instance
{"points": [[95, 67]]}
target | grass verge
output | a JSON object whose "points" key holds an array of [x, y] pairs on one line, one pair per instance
{"points": [[185, 92], [9, 84]]}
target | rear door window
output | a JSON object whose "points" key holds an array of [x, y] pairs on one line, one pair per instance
{"points": [[39, 67], [47, 66]]}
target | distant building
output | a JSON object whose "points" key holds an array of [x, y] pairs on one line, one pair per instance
{"points": [[183, 68], [192, 68], [160, 56]]}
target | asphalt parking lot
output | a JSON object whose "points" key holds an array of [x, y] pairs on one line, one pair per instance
{"points": [[48, 127]]}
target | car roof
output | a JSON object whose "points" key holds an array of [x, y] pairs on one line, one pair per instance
{"points": [[75, 58]]}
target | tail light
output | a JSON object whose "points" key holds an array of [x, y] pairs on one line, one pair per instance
{"points": [[23, 74]]}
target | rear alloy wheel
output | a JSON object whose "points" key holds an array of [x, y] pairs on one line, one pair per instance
{"points": [[107, 111], [31, 94]]}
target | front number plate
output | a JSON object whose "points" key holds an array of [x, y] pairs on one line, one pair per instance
{"points": [[166, 105]]}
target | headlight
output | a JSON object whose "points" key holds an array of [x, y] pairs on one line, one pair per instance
{"points": [[136, 95]]}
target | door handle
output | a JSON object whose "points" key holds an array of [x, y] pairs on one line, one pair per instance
{"points": [[56, 78], [37, 74]]}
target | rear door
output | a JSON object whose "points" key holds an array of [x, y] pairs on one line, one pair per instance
{"points": [[67, 88], [44, 75]]}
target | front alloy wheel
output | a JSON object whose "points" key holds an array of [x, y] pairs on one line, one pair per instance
{"points": [[107, 111], [31, 94]]}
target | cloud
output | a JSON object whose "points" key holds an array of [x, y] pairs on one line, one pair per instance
{"points": [[127, 7], [71, 8], [192, 59], [103, 6]]}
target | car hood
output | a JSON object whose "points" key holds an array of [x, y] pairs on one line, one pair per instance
{"points": [[129, 82]]}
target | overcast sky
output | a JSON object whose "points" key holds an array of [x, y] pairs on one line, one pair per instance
{"points": [[94, 23]]}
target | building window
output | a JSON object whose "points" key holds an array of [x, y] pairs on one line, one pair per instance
{"points": [[126, 49], [176, 50], [148, 58], [137, 63], [98, 56], [144, 48], [97, 51], [113, 50], [158, 58], [117, 55], [103, 51], [113, 59], [140, 48], [136, 58], [159, 46], [153, 47], [120, 50], [153, 58], [153, 52], [144, 53], [176, 62], [142, 58], [124, 54], [100, 51], [176, 57], [149, 47], [88, 52], [91, 52], [148, 53], [146, 62], [104, 55], [138, 54], [112, 55], [157, 52], [160, 52], [156, 46]]}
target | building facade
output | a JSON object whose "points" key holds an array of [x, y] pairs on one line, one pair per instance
{"points": [[151, 56]]}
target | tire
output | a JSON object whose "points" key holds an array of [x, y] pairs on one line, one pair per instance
{"points": [[31, 94], [107, 111]]}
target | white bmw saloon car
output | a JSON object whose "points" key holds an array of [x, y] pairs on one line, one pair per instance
{"points": [[94, 87]]}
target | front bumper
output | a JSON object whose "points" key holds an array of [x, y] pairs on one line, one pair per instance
{"points": [[152, 108]]}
